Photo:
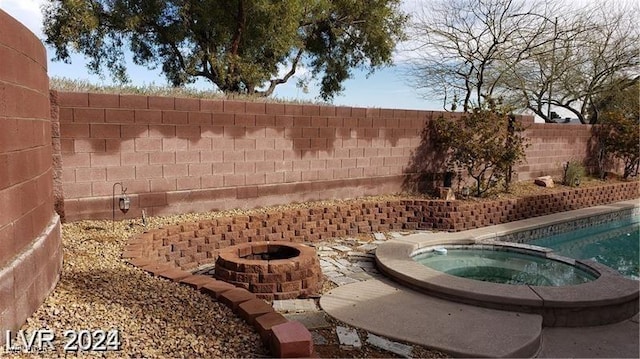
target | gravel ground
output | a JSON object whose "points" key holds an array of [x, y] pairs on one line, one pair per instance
{"points": [[155, 318]]}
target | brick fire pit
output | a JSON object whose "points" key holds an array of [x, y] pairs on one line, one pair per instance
{"points": [[271, 270]]}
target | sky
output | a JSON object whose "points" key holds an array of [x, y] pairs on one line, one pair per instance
{"points": [[385, 88]]}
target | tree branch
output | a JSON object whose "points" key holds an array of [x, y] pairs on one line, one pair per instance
{"points": [[287, 76]]}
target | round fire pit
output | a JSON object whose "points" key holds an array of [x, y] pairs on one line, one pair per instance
{"points": [[271, 270]]}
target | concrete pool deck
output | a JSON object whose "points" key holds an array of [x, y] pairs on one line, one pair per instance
{"points": [[609, 298], [388, 309]]}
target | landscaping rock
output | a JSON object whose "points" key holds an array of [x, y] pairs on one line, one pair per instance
{"points": [[544, 181], [348, 338], [342, 280], [311, 320], [318, 339], [295, 305], [155, 318], [342, 248], [388, 345], [379, 236], [367, 247], [446, 194]]}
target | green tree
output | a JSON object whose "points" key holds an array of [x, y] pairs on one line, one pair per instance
{"points": [[242, 46], [618, 132], [622, 98], [486, 143]]}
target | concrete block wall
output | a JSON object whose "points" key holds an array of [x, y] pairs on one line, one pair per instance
{"points": [[190, 245], [180, 155], [553, 145], [30, 241]]}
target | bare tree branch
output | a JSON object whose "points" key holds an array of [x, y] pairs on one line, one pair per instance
{"points": [[286, 77]]}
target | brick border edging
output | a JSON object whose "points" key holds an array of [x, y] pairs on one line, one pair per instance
{"points": [[190, 245], [297, 276], [172, 251], [285, 338]]}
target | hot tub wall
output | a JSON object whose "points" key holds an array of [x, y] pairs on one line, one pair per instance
{"points": [[30, 241]]}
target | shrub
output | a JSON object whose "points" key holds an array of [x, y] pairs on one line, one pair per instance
{"points": [[619, 138], [486, 143], [574, 171]]}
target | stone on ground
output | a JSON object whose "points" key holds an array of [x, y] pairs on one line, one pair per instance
{"points": [[342, 280], [348, 338], [311, 320], [342, 248], [367, 247], [379, 236], [295, 305], [544, 181], [400, 349], [318, 339]]}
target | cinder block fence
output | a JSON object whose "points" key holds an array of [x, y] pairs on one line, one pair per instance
{"points": [[30, 242], [192, 155]]}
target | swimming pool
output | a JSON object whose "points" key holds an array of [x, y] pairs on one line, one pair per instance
{"points": [[614, 244]]}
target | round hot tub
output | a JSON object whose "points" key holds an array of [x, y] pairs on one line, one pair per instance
{"points": [[511, 276], [271, 270], [500, 264]]}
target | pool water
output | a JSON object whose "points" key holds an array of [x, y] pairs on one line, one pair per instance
{"points": [[614, 244], [503, 266]]}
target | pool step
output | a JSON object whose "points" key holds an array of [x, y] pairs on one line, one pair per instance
{"points": [[385, 308]]}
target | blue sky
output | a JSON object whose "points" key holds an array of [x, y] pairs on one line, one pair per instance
{"points": [[385, 88]]}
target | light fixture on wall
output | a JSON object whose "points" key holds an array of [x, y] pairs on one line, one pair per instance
{"points": [[124, 202]]}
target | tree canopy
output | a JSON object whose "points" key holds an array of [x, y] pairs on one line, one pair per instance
{"points": [[485, 143], [242, 46], [534, 54], [618, 136]]}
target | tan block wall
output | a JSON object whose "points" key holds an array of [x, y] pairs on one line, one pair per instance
{"points": [[30, 243], [180, 155], [551, 146], [192, 155]]}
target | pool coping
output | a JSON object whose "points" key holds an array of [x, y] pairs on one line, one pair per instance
{"points": [[608, 299]]}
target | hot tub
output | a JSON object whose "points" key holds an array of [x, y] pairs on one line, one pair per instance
{"points": [[585, 293], [504, 264]]}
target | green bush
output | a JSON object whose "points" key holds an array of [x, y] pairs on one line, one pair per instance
{"points": [[574, 171], [619, 138], [486, 144]]}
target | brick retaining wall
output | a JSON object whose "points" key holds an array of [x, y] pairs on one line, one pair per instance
{"points": [[190, 245]]}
